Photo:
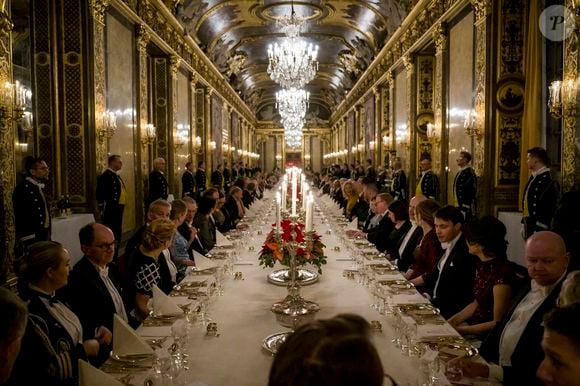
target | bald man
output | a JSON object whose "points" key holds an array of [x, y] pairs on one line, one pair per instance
{"points": [[158, 187], [406, 248], [514, 346]]}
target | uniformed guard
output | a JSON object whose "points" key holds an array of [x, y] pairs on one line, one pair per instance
{"points": [[465, 186], [112, 197], [217, 178], [31, 209], [200, 179], [399, 181], [188, 181], [158, 188], [540, 194], [428, 185]]}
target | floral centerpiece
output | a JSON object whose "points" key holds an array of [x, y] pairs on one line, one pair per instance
{"points": [[291, 237]]}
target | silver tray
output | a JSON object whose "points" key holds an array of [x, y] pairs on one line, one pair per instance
{"points": [[281, 277], [272, 342]]}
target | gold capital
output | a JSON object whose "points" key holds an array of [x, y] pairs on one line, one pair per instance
{"points": [[98, 8]]}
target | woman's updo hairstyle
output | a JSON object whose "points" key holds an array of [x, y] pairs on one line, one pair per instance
{"points": [[39, 257], [157, 234]]}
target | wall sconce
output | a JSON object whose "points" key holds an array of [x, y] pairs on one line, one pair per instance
{"points": [[225, 147], [150, 134], [432, 134], [353, 149], [108, 126], [240, 152], [387, 142], [360, 147], [278, 157], [561, 96], [372, 145], [307, 157], [196, 148], [212, 145], [402, 137], [13, 101], [179, 140], [470, 125]]}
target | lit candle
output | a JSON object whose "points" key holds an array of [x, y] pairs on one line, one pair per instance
{"points": [[309, 216], [278, 216], [294, 192], [284, 190], [304, 195]]}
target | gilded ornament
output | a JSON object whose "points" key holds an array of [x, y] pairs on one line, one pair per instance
{"points": [[143, 38], [98, 8]]}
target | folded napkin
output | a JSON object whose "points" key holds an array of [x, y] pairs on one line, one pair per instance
{"points": [[433, 330], [222, 241], [353, 225], [409, 299], [91, 376], [392, 275], [126, 341], [202, 263], [163, 305]]}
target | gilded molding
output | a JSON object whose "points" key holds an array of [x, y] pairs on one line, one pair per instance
{"points": [[409, 64], [98, 9], [7, 163], [479, 102], [568, 164], [440, 37], [174, 63], [390, 79], [481, 8], [143, 39]]}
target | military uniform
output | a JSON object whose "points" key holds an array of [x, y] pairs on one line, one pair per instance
{"points": [[112, 197], [399, 185], [31, 213], [217, 179], [465, 191], [227, 179], [539, 202], [428, 186], [158, 187], [200, 182], [188, 184]]}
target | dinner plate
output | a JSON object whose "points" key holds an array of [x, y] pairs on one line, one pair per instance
{"points": [[397, 284], [272, 342]]}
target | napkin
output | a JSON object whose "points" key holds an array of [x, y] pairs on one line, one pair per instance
{"points": [[432, 330], [154, 331], [222, 241], [409, 299], [163, 305], [126, 341], [201, 262], [91, 376], [353, 225]]}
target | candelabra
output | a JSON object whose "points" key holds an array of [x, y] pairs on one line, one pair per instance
{"points": [[470, 125], [13, 101], [561, 97], [197, 148], [150, 134], [432, 134], [108, 126]]}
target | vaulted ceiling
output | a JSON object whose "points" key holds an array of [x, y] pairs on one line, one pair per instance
{"points": [[235, 35]]}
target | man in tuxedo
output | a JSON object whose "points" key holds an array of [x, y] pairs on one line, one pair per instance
{"points": [[12, 326], [112, 197], [31, 209], [428, 185], [188, 181], [405, 255], [200, 179], [188, 231], [93, 292], [513, 348], [399, 181], [540, 194], [450, 284], [158, 187], [561, 344], [465, 186], [378, 234]]}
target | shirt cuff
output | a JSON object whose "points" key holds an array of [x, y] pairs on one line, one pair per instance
{"points": [[495, 372]]}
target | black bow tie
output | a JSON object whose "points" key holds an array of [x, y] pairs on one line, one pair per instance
{"points": [[51, 298]]}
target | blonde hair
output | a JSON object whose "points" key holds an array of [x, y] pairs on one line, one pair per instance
{"points": [[157, 234], [39, 257], [570, 292], [178, 208]]}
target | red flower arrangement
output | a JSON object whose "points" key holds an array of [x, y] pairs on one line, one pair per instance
{"points": [[308, 246]]}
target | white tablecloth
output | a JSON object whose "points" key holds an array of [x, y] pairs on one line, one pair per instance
{"points": [[65, 230]]}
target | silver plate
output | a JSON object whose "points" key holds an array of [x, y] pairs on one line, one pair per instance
{"points": [[281, 277], [272, 342]]}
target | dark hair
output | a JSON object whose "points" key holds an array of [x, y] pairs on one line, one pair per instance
{"points": [[426, 209], [400, 210], [489, 232], [564, 321], [206, 204], [87, 234], [426, 157], [466, 155], [39, 257], [178, 208], [210, 192], [188, 164], [450, 213], [31, 163], [112, 158], [333, 352], [541, 154], [14, 316]]}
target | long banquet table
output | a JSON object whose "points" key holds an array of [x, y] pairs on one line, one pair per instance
{"points": [[244, 319]]}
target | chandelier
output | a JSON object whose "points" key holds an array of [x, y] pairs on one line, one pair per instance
{"points": [[292, 102], [294, 62]]}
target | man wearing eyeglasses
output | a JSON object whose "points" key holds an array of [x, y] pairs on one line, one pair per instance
{"points": [[93, 292], [31, 209]]}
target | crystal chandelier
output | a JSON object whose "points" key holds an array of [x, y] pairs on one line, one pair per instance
{"points": [[294, 62], [292, 102]]}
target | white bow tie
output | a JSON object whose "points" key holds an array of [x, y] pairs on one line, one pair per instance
{"points": [[445, 245]]}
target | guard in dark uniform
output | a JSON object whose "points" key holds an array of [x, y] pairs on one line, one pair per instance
{"points": [[227, 177], [158, 188], [465, 186], [540, 194], [31, 209], [217, 178], [399, 182], [188, 181], [200, 179], [112, 197], [428, 185]]}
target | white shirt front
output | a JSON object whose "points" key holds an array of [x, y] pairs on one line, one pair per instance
{"points": [[115, 296], [407, 238]]}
